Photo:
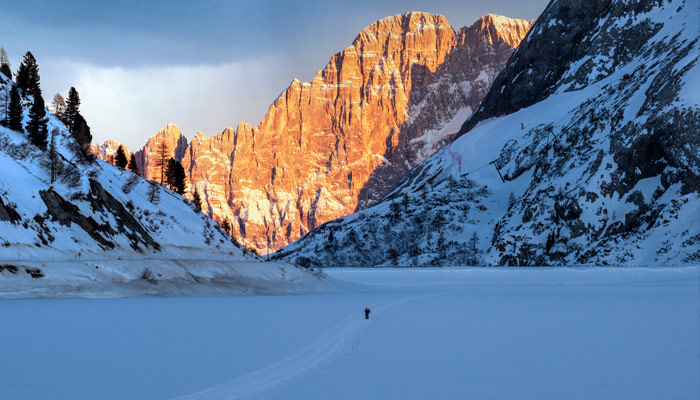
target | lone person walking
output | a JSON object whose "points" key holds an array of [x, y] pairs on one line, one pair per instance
{"points": [[367, 311]]}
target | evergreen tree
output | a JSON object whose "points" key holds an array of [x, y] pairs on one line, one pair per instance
{"points": [[473, 243], [180, 179], [395, 212], [439, 221], [197, 201], [72, 108], [161, 159], [441, 244], [37, 126], [28, 76], [14, 113], [170, 174], [120, 158], [226, 225], [551, 240], [5, 67], [22, 76], [175, 176], [154, 193], [58, 106], [133, 167]]}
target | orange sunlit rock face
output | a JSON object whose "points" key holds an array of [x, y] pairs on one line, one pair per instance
{"points": [[175, 142], [339, 143]]}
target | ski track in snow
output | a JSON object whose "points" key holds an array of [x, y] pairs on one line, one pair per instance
{"points": [[338, 341]]}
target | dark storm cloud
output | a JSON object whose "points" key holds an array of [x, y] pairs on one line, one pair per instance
{"points": [[204, 65]]}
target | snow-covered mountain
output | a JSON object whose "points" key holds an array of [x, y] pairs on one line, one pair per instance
{"points": [[585, 151], [342, 141], [100, 230]]}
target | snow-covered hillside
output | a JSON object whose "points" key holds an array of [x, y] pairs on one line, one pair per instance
{"points": [[593, 126], [102, 226]]}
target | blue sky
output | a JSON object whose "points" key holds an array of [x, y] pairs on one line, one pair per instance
{"points": [[203, 65]]}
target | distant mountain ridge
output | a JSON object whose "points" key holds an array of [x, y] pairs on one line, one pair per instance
{"points": [[342, 141]]}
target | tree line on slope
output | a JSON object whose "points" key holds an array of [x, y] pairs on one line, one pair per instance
{"points": [[28, 83]]}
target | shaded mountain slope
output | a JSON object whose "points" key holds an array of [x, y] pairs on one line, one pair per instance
{"points": [[596, 141]]}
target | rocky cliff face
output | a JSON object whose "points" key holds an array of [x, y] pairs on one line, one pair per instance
{"points": [[176, 144], [585, 151], [340, 143]]}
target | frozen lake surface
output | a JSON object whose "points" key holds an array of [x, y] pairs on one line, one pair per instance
{"points": [[452, 333]]}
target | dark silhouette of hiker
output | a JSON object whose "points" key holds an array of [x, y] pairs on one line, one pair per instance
{"points": [[367, 311]]}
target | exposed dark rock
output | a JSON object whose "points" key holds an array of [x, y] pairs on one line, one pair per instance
{"points": [[8, 213], [9, 268], [101, 200], [35, 273], [65, 213]]}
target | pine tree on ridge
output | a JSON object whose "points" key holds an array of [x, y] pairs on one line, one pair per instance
{"points": [[37, 127], [58, 106], [28, 76], [197, 200], [14, 113], [162, 156], [133, 167], [72, 108], [120, 158]]}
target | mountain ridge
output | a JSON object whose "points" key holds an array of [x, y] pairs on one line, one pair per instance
{"points": [[599, 167], [340, 142]]}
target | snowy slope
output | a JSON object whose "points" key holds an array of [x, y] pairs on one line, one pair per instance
{"points": [[600, 165], [98, 217]]}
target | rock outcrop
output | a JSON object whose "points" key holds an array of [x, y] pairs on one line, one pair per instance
{"points": [[341, 142]]}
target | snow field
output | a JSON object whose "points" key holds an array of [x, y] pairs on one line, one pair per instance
{"points": [[451, 333]]}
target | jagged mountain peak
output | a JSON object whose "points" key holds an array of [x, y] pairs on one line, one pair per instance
{"points": [[170, 130], [493, 28], [402, 24], [176, 143]]}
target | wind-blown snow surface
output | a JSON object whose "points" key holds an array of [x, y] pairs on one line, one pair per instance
{"points": [[100, 278], [603, 170], [451, 333]]}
